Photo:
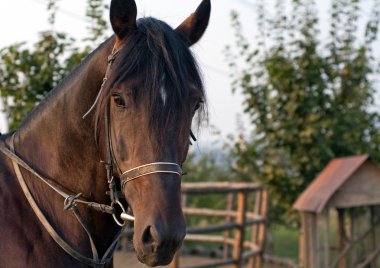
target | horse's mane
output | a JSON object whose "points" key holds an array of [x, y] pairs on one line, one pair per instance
{"points": [[161, 58]]}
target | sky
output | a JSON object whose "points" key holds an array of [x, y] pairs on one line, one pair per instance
{"points": [[21, 20]]}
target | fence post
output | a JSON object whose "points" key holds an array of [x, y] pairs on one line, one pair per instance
{"points": [[175, 262], [342, 237], [259, 230], [227, 234], [240, 231]]}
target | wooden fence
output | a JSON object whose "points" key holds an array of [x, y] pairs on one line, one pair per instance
{"points": [[246, 208]]}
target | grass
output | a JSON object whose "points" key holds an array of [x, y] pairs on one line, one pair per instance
{"points": [[285, 242]]}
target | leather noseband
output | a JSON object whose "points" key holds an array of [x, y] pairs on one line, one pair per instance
{"points": [[158, 167]]}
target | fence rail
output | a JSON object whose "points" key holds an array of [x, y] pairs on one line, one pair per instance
{"points": [[238, 216]]}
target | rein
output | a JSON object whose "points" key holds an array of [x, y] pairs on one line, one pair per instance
{"points": [[71, 201], [69, 204]]}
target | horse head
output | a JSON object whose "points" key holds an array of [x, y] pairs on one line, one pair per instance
{"points": [[153, 91]]}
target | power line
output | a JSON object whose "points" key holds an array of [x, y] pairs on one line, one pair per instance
{"points": [[247, 3], [64, 11], [216, 70]]}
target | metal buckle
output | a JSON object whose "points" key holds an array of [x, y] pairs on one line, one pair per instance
{"points": [[70, 201], [118, 222]]}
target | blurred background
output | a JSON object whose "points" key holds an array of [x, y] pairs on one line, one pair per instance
{"points": [[291, 85]]}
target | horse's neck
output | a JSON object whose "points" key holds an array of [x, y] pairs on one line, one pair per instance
{"points": [[58, 143], [55, 138]]}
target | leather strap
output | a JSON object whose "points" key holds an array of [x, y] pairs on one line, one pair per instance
{"points": [[71, 200], [158, 167], [94, 262]]}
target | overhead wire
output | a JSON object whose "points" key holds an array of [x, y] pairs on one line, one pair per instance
{"points": [[75, 16], [64, 11], [247, 3]]}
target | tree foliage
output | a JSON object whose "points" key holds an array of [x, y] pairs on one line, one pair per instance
{"points": [[28, 73], [309, 100], [97, 25]]}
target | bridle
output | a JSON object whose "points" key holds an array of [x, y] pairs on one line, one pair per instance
{"points": [[131, 174], [71, 201]]}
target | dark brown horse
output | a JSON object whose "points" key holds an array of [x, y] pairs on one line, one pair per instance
{"points": [[137, 125]]}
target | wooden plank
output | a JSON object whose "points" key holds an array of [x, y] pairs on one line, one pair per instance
{"points": [[252, 263], [220, 187], [250, 254], [261, 229], [227, 233], [260, 220], [342, 238], [251, 246], [358, 199], [220, 239], [314, 241], [353, 235], [175, 262], [354, 192], [222, 227], [303, 250], [280, 262], [240, 231], [241, 217], [373, 234], [370, 259], [209, 212], [264, 214], [343, 252], [308, 241], [213, 264], [325, 234], [207, 238], [213, 228]]}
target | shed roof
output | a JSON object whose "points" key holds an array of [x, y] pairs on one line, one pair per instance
{"points": [[323, 187]]}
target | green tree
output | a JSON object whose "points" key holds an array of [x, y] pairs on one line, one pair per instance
{"points": [[97, 24], [28, 74], [308, 100]]}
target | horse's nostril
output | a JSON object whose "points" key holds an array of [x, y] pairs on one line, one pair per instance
{"points": [[147, 237], [156, 244]]}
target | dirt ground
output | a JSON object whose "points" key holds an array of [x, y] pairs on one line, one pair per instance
{"points": [[129, 260]]}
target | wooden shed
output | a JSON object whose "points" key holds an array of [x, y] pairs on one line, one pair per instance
{"points": [[340, 215]]}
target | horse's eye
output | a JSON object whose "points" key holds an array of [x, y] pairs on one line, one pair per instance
{"points": [[198, 105], [118, 99]]}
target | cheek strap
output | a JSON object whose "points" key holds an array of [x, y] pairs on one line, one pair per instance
{"points": [[152, 168]]}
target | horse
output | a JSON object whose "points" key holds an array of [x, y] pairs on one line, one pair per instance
{"points": [[111, 136]]}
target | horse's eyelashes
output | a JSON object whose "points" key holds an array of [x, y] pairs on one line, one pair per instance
{"points": [[119, 101], [198, 105]]}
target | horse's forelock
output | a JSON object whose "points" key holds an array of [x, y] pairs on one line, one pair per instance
{"points": [[157, 56]]}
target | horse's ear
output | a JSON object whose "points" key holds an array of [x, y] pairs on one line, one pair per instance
{"points": [[123, 15], [193, 28]]}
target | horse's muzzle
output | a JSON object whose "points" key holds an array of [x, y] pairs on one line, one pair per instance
{"points": [[158, 244]]}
